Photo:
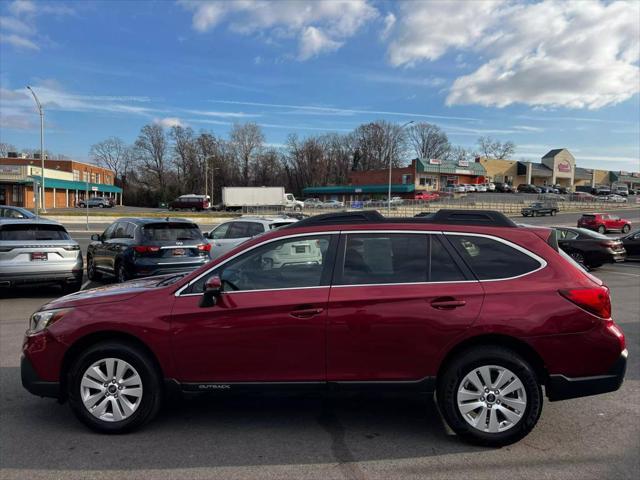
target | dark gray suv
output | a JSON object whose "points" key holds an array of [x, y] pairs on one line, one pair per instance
{"points": [[142, 247]]}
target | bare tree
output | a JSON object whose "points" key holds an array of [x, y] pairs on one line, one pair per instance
{"points": [[428, 141], [185, 150], [377, 143], [151, 152], [5, 148], [248, 141], [113, 154], [491, 148]]}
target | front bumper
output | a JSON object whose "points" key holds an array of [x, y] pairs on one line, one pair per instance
{"points": [[34, 384], [560, 387]]}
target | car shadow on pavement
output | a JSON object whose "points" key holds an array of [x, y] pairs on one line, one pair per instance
{"points": [[226, 431], [32, 291]]}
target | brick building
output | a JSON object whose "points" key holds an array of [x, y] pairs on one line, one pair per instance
{"points": [[66, 182]]}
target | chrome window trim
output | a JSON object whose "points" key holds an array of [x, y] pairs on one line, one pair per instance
{"points": [[309, 234], [540, 260]]}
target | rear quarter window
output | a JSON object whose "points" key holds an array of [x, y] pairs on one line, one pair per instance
{"points": [[491, 259]]}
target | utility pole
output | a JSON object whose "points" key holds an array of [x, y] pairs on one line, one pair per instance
{"points": [[43, 207]]}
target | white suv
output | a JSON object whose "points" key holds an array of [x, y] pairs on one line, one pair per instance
{"points": [[229, 234]]}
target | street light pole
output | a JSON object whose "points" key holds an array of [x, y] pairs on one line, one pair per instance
{"points": [[43, 206], [390, 165]]}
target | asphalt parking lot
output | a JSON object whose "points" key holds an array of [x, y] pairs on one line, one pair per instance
{"points": [[355, 437]]}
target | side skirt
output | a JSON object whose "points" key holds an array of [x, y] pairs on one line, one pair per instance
{"points": [[424, 385]]}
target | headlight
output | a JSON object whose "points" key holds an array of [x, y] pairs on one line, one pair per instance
{"points": [[45, 318]]}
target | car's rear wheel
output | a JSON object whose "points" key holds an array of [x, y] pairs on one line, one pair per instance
{"points": [[490, 396], [626, 229], [92, 273], [122, 275], [100, 205], [114, 387], [602, 229]]}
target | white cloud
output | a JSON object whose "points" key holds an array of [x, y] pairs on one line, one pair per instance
{"points": [[169, 122], [320, 26], [14, 25], [19, 29], [342, 111], [546, 54], [214, 113], [18, 41], [19, 7], [314, 42], [389, 22], [17, 105]]}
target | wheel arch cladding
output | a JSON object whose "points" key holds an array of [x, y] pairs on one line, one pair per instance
{"points": [[526, 351], [91, 339]]}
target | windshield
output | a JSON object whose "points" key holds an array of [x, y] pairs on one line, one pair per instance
{"points": [[171, 232]]}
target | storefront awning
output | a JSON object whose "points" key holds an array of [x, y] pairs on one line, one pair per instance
{"points": [[73, 185]]}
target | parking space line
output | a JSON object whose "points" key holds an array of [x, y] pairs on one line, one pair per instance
{"points": [[621, 273], [85, 284]]}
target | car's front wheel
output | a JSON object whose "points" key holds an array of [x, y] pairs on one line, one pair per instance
{"points": [[626, 229], [92, 272], [490, 395], [114, 387], [602, 229]]}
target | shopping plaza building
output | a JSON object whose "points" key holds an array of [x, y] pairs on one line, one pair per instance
{"points": [[66, 182], [557, 167]]}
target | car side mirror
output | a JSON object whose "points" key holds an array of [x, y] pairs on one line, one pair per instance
{"points": [[211, 291], [96, 237]]}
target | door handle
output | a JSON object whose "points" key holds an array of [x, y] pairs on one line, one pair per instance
{"points": [[447, 303], [306, 312]]}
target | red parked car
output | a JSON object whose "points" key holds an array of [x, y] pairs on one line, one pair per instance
{"points": [[467, 304], [427, 196], [603, 222]]}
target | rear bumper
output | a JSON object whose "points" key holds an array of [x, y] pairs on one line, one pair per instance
{"points": [[560, 387], [34, 384], [40, 277]]}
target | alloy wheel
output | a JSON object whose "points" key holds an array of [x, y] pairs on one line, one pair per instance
{"points": [[491, 398], [111, 389]]}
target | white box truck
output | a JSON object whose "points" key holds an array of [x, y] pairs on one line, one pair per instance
{"points": [[237, 198]]}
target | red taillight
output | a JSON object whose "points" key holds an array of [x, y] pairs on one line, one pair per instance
{"points": [[594, 300], [146, 249], [204, 248]]}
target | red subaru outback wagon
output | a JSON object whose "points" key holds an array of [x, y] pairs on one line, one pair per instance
{"points": [[467, 304]]}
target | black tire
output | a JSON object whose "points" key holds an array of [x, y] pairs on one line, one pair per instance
{"points": [[455, 372], [593, 266], [122, 275], [100, 205], [578, 257], [602, 229], [68, 288], [626, 229], [145, 367], [92, 273]]}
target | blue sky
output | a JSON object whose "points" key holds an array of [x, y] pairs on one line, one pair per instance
{"points": [[542, 74]]}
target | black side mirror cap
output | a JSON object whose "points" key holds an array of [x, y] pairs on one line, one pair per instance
{"points": [[96, 237]]}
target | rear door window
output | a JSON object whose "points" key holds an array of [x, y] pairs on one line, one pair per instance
{"points": [[238, 230], [254, 228], [491, 259], [33, 232]]}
